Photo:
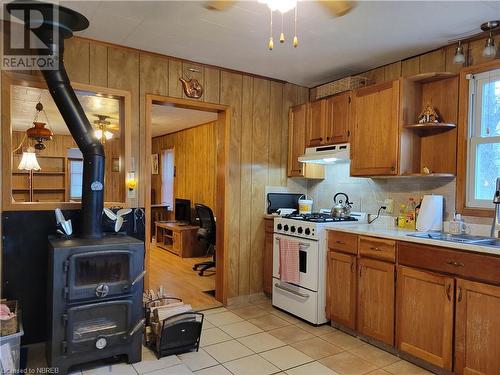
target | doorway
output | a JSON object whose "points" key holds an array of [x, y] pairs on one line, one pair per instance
{"points": [[185, 178]]}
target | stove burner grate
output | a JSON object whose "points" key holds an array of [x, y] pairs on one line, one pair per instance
{"points": [[319, 218]]}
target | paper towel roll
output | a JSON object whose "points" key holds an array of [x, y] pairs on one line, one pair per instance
{"points": [[430, 217]]}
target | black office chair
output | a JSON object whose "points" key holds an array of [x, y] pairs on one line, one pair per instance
{"points": [[206, 233]]}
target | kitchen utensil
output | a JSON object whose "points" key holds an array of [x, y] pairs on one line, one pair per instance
{"points": [[341, 207]]}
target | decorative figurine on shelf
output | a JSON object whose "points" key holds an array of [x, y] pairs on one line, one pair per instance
{"points": [[429, 115]]}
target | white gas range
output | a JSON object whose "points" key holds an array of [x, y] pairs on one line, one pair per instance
{"points": [[306, 299]]}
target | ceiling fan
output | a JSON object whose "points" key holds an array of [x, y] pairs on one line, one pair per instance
{"points": [[103, 128], [335, 8]]}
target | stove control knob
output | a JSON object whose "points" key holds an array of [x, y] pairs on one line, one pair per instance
{"points": [[285, 228], [299, 230], [292, 229], [279, 226], [102, 290], [101, 343], [307, 231]]}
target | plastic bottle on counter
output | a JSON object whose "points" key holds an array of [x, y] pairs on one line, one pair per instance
{"points": [[402, 216], [410, 214]]}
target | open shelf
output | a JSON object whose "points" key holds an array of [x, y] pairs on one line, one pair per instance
{"points": [[430, 145], [431, 128]]}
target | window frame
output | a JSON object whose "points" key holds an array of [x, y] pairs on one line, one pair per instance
{"points": [[474, 138], [461, 203], [70, 176]]}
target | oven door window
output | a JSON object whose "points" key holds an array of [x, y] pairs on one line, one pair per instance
{"points": [[97, 269], [99, 274], [302, 261], [88, 323]]}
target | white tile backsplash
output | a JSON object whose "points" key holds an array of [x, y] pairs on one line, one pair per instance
{"points": [[368, 194]]}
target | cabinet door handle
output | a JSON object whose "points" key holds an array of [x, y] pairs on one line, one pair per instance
{"points": [[459, 297], [375, 248], [340, 242], [352, 267], [316, 139], [360, 270], [448, 292], [455, 264]]}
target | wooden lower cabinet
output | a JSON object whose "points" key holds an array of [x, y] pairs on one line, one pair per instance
{"points": [[424, 315], [341, 289], [267, 259], [375, 310], [477, 329]]}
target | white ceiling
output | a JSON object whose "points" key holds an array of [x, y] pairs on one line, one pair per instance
{"points": [[24, 100], [169, 119], [373, 34]]}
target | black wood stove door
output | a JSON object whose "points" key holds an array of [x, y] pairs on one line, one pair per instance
{"points": [[99, 274], [97, 326]]}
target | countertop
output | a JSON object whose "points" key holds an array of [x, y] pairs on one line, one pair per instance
{"points": [[402, 235]]}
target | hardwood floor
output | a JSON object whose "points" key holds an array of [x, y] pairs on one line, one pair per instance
{"points": [[179, 280]]}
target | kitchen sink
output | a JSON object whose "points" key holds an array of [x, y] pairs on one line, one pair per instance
{"points": [[459, 238]]}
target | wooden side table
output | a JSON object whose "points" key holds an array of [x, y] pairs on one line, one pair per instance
{"points": [[179, 239]]}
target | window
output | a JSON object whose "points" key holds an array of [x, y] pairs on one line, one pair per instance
{"points": [[75, 179], [483, 143], [167, 178]]}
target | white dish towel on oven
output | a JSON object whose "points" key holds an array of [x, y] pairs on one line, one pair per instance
{"points": [[289, 261]]}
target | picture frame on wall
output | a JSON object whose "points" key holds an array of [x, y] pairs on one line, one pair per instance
{"points": [[155, 164]]}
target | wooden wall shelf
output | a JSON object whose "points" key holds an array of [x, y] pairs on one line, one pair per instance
{"points": [[431, 127], [431, 77]]}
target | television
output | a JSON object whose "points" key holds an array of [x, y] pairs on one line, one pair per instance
{"points": [[183, 210]]}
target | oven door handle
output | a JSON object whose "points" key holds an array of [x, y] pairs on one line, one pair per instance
{"points": [[137, 327], [138, 278], [289, 290]]}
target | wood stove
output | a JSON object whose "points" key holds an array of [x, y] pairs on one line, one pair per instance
{"points": [[95, 288], [95, 281]]}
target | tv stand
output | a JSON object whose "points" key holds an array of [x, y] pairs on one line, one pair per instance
{"points": [[178, 238]]}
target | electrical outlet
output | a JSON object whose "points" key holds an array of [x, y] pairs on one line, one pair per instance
{"points": [[389, 205]]}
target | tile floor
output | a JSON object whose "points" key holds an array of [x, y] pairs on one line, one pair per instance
{"points": [[256, 339]]}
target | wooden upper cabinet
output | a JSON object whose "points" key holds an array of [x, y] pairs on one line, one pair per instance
{"points": [[317, 124], [341, 289], [337, 120], [424, 315], [297, 121], [477, 330], [328, 121], [374, 122], [375, 310]]}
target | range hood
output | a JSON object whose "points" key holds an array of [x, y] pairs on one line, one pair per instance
{"points": [[326, 154]]}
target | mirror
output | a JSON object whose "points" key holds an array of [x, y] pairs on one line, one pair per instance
{"points": [[46, 164]]}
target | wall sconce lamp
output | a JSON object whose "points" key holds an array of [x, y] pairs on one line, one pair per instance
{"points": [[459, 57], [131, 182]]}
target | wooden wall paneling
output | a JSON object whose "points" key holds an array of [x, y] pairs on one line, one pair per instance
{"points": [[275, 131], [450, 54], [246, 184], [211, 92], [77, 60], [290, 98], [260, 150], [231, 89], [302, 95], [98, 65], [375, 75], [475, 52], [153, 75], [199, 74], [174, 73], [433, 61], [392, 71], [410, 67], [123, 74]]}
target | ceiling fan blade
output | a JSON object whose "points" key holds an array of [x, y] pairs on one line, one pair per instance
{"points": [[219, 5], [337, 8]]}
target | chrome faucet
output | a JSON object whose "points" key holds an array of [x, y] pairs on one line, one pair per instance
{"points": [[495, 227]]}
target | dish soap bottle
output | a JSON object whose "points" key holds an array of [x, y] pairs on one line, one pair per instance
{"points": [[402, 216], [410, 215]]}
